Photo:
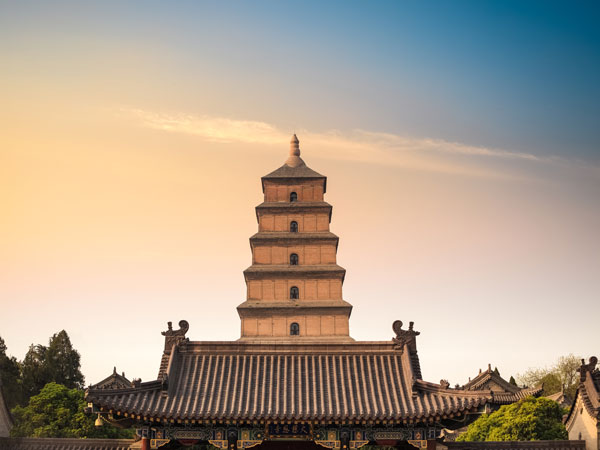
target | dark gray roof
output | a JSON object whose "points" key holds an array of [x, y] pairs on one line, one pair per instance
{"points": [[489, 376], [242, 381], [113, 381], [357, 382], [506, 398]]}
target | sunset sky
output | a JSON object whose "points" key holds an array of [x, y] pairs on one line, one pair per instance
{"points": [[460, 141]]}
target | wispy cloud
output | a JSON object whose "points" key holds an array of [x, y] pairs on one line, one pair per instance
{"points": [[213, 129], [357, 145]]}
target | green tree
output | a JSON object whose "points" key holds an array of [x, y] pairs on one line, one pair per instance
{"points": [[530, 419], [59, 362], [34, 373], [10, 378], [57, 411], [63, 361], [563, 374]]}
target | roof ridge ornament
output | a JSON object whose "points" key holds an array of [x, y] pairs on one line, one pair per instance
{"points": [[174, 337], [404, 337], [589, 367]]}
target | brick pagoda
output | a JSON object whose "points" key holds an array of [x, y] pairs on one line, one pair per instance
{"points": [[294, 285]]}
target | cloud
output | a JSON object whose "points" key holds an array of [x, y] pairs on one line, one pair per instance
{"points": [[213, 129], [358, 145]]}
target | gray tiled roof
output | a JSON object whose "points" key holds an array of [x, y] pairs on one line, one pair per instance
{"points": [[229, 381], [506, 398], [487, 376]]}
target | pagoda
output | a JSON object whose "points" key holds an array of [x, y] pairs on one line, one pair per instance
{"points": [[294, 285], [295, 378]]}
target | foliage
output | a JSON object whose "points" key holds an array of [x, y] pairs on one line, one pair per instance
{"points": [[530, 419], [563, 374], [57, 411], [59, 362], [34, 374], [10, 377], [63, 361]]}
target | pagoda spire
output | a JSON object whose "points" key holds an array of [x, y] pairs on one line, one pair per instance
{"points": [[294, 159]]}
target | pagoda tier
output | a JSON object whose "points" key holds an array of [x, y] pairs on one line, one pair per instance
{"points": [[294, 285]]}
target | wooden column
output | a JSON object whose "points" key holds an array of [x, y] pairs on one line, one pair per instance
{"points": [[145, 443]]}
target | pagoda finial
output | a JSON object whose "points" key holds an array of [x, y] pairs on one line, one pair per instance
{"points": [[294, 146], [294, 159]]}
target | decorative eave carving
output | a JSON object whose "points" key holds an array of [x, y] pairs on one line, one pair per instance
{"points": [[404, 337]]}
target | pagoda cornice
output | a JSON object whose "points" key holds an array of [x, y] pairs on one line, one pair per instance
{"points": [[279, 237], [316, 307], [293, 208], [258, 271]]}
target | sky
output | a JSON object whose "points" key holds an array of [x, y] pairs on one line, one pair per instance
{"points": [[460, 141]]}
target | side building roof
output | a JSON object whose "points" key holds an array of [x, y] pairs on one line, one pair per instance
{"points": [[588, 390]]}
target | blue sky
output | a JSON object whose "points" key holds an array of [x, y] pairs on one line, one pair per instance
{"points": [[511, 74]]}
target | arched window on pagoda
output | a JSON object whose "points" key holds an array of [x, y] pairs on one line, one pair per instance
{"points": [[294, 226], [294, 329], [293, 259], [293, 197], [294, 293]]}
